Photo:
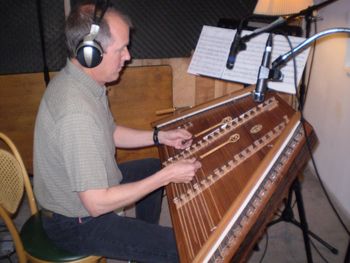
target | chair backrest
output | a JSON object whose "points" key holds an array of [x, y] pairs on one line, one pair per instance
{"points": [[14, 178], [13, 181]]}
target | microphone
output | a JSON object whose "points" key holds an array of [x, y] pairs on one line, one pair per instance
{"points": [[264, 72], [236, 46]]}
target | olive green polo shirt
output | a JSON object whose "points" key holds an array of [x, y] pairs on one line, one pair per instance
{"points": [[74, 149]]}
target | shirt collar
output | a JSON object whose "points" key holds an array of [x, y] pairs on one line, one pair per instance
{"points": [[87, 82]]}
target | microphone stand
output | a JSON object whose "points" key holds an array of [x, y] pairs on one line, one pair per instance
{"points": [[287, 214], [307, 13]]}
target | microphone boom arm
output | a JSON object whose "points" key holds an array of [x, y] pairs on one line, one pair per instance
{"points": [[284, 20], [283, 59]]}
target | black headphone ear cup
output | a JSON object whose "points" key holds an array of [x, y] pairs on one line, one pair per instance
{"points": [[89, 53]]}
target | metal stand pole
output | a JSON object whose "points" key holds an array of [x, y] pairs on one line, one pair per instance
{"points": [[288, 216]]}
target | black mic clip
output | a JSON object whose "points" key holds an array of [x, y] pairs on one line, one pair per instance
{"points": [[237, 46], [266, 73], [275, 74]]}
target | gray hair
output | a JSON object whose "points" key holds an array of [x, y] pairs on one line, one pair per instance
{"points": [[79, 22]]}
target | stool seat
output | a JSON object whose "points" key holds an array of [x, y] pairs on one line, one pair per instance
{"points": [[38, 245]]}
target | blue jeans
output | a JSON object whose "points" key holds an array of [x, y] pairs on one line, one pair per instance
{"points": [[119, 237]]}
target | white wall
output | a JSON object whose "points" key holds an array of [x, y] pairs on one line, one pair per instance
{"points": [[327, 106]]}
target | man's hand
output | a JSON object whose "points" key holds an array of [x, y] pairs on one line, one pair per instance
{"points": [[178, 138], [181, 171]]}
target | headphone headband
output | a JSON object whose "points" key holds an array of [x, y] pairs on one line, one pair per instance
{"points": [[89, 52], [100, 10]]}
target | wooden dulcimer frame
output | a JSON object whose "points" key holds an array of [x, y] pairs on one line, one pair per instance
{"points": [[250, 155]]}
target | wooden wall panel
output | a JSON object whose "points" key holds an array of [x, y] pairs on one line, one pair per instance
{"points": [[208, 89], [183, 84], [146, 86], [19, 101], [135, 99], [140, 92], [188, 89]]}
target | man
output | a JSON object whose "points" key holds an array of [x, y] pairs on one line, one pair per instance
{"points": [[77, 182]]}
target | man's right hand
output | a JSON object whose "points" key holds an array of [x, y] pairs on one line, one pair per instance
{"points": [[182, 171]]}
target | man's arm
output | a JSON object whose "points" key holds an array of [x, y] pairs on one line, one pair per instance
{"points": [[101, 201], [125, 137]]}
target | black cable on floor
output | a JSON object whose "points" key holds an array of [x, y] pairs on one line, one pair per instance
{"points": [[266, 245]]}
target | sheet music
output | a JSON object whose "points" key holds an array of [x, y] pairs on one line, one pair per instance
{"points": [[213, 47]]}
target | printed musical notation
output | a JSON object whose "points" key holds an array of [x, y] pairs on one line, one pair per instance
{"points": [[212, 50]]}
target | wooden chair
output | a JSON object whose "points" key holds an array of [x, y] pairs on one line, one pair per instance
{"points": [[31, 244]]}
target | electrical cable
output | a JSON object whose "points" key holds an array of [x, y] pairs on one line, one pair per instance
{"points": [[42, 42], [300, 107], [308, 144], [266, 245], [311, 66], [304, 99]]}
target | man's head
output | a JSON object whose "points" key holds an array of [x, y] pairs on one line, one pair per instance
{"points": [[113, 37]]}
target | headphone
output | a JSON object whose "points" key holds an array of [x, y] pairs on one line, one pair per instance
{"points": [[89, 52]]}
